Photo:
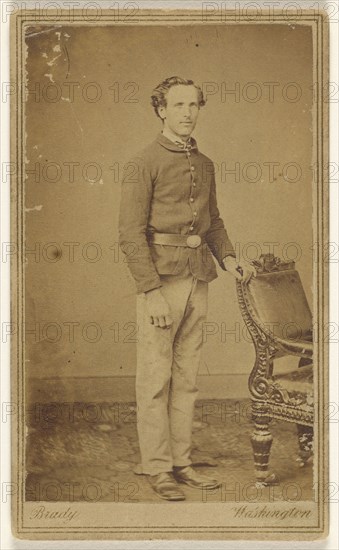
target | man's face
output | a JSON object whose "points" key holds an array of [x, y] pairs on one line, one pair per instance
{"points": [[181, 112]]}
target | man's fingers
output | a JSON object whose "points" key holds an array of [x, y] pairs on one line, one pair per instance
{"points": [[168, 320], [248, 272], [237, 275], [162, 322], [253, 271]]}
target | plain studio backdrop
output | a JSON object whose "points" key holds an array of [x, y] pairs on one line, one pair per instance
{"points": [[87, 112]]}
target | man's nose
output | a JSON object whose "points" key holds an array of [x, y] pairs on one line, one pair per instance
{"points": [[187, 111]]}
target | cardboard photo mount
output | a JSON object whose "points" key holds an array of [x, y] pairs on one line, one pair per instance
{"points": [[189, 520]]}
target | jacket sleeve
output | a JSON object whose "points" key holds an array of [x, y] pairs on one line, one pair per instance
{"points": [[136, 196], [217, 237]]}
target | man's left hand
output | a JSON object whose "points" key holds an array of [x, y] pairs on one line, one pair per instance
{"points": [[241, 270]]}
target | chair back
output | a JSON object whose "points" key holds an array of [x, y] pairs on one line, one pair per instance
{"points": [[278, 300]]}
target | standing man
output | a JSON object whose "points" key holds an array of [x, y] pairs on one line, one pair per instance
{"points": [[169, 227]]}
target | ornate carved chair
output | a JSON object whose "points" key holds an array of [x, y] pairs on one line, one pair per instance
{"points": [[275, 309]]}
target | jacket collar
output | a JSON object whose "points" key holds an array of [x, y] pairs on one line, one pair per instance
{"points": [[177, 147]]}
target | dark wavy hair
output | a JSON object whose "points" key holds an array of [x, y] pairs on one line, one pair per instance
{"points": [[158, 98]]}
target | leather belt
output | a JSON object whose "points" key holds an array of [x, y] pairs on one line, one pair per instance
{"points": [[173, 239]]}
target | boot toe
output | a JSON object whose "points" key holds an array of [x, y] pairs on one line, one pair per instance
{"points": [[166, 487], [193, 479]]}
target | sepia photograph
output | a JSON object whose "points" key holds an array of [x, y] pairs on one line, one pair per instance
{"points": [[169, 257]]}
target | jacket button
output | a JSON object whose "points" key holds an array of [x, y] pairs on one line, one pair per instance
{"points": [[191, 199]]}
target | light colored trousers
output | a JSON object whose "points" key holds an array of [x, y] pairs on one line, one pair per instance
{"points": [[167, 367]]}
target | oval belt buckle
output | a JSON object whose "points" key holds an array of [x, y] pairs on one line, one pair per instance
{"points": [[193, 241]]}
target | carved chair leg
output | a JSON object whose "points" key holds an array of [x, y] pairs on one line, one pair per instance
{"points": [[305, 440], [261, 443]]}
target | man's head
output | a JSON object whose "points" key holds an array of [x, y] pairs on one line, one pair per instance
{"points": [[177, 102]]}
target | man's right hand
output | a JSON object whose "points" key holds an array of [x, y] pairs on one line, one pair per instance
{"points": [[158, 309]]}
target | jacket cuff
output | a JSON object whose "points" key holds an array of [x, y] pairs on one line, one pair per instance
{"points": [[150, 285]]}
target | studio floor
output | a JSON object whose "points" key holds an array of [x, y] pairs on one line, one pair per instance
{"points": [[89, 452]]}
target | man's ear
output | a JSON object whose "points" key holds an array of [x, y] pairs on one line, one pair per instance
{"points": [[162, 112]]}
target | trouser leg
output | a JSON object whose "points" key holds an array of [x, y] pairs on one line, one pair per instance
{"points": [[154, 362], [153, 376], [167, 366], [186, 359]]}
